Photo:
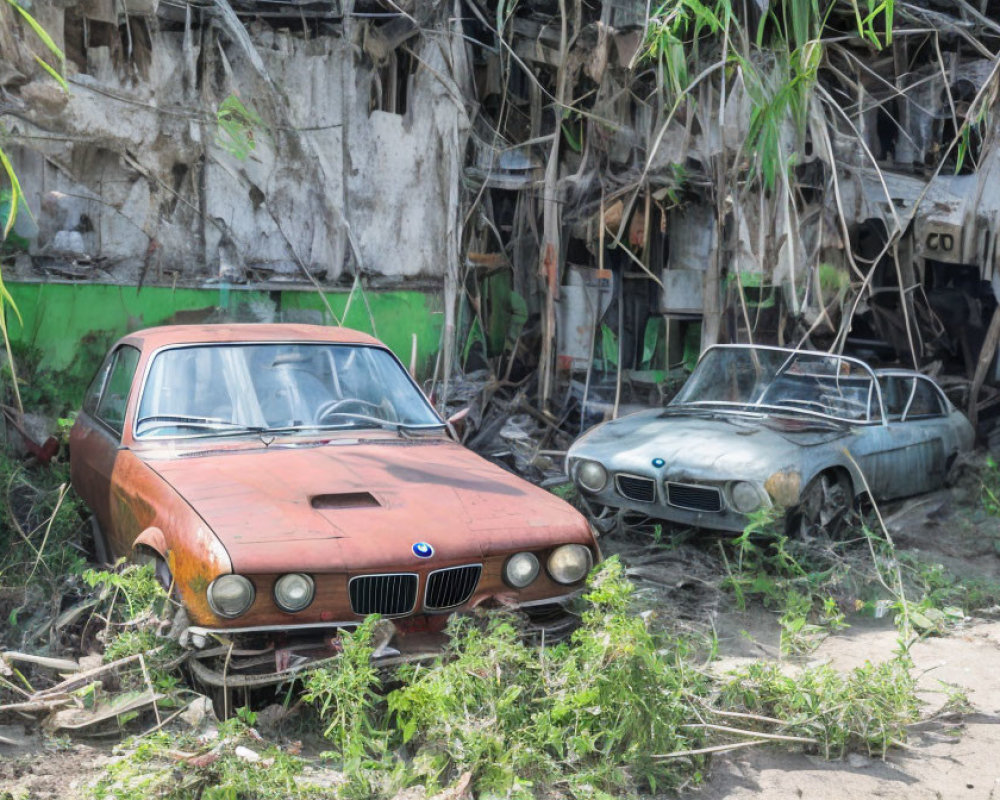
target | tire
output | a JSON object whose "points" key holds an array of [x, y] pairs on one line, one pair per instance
{"points": [[825, 510]]}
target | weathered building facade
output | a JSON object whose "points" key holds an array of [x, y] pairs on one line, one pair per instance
{"points": [[564, 186]]}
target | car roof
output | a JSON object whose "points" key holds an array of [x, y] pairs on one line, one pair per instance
{"points": [[246, 332]]}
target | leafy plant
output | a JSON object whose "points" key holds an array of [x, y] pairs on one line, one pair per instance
{"points": [[135, 584], [591, 712], [235, 766], [346, 697], [864, 710], [237, 125]]}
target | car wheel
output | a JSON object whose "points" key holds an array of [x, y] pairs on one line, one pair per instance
{"points": [[102, 555], [825, 509]]}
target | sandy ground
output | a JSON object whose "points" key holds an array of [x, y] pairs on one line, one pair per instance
{"points": [[950, 757], [946, 757]]}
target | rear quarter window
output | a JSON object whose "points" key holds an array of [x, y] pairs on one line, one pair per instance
{"points": [[926, 401]]}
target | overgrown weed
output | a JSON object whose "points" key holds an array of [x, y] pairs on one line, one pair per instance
{"points": [[804, 582], [133, 610], [40, 524], [618, 709], [41, 558], [229, 766], [346, 697], [865, 710], [591, 712], [991, 487]]}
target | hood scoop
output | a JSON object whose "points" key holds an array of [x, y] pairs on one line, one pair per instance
{"points": [[342, 500]]}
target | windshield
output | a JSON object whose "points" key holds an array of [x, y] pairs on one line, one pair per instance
{"points": [[224, 389], [774, 379]]}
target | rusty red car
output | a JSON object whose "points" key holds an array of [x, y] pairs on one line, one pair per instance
{"points": [[289, 480]]}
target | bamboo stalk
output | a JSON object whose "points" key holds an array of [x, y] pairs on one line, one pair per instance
{"points": [[593, 332]]}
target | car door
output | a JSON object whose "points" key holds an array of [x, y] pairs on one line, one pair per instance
{"points": [[906, 456], [95, 441]]}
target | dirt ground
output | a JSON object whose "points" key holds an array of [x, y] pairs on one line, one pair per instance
{"points": [[947, 756]]}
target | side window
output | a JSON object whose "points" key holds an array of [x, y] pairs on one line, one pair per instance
{"points": [[94, 390], [926, 402], [895, 394], [111, 409]]}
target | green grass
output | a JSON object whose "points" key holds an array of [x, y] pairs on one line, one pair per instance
{"points": [[991, 487]]}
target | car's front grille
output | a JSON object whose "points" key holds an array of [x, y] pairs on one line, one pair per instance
{"points": [[383, 594], [447, 588], [636, 488], [694, 498]]}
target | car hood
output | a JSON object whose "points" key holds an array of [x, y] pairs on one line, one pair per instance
{"points": [[720, 446], [361, 506]]}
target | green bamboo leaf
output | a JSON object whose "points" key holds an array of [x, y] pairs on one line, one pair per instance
{"points": [[39, 31], [15, 193], [7, 300], [54, 73]]}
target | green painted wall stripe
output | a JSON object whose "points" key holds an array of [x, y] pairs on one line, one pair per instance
{"points": [[72, 325]]}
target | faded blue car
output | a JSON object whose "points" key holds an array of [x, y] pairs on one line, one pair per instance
{"points": [[756, 427]]}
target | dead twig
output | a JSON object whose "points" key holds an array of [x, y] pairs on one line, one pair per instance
{"points": [[719, 748], [777, 737], [63, 489]]}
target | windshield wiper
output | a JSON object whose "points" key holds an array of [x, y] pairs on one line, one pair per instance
{"points": [[366, 421], [201, 423]]}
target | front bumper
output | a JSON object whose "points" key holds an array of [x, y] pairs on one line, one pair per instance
{"points": [[598, 508], [256, 657]]}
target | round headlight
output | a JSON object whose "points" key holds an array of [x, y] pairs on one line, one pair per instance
{"points": [[570, 563], [520, 570], [230, 595], [591, 476], [745, 497], [294, 592]]}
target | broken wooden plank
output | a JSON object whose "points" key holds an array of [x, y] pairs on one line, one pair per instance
{"points": [[82, 678], [57, 664], [77, 719], [41, 704]]}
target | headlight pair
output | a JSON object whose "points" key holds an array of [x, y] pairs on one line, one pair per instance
{"points": [[567, 564], [232, 595]]}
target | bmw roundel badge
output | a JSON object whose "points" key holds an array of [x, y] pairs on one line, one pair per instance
{"points": [[422, 550], [658, 462]]}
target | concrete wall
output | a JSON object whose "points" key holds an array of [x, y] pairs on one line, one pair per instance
{"points": [[127, 180]]}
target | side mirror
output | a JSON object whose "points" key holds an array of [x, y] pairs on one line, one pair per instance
{"points": [[456, 424]]}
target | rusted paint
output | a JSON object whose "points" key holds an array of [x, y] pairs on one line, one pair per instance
{"points": [[784, 487], [247, 506], [153, 538]]}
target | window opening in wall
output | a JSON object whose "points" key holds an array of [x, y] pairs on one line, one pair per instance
{"points": [[391, 82]]}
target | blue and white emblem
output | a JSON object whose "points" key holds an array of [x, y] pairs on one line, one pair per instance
{"points": [[422, 550], [658, 462]]}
